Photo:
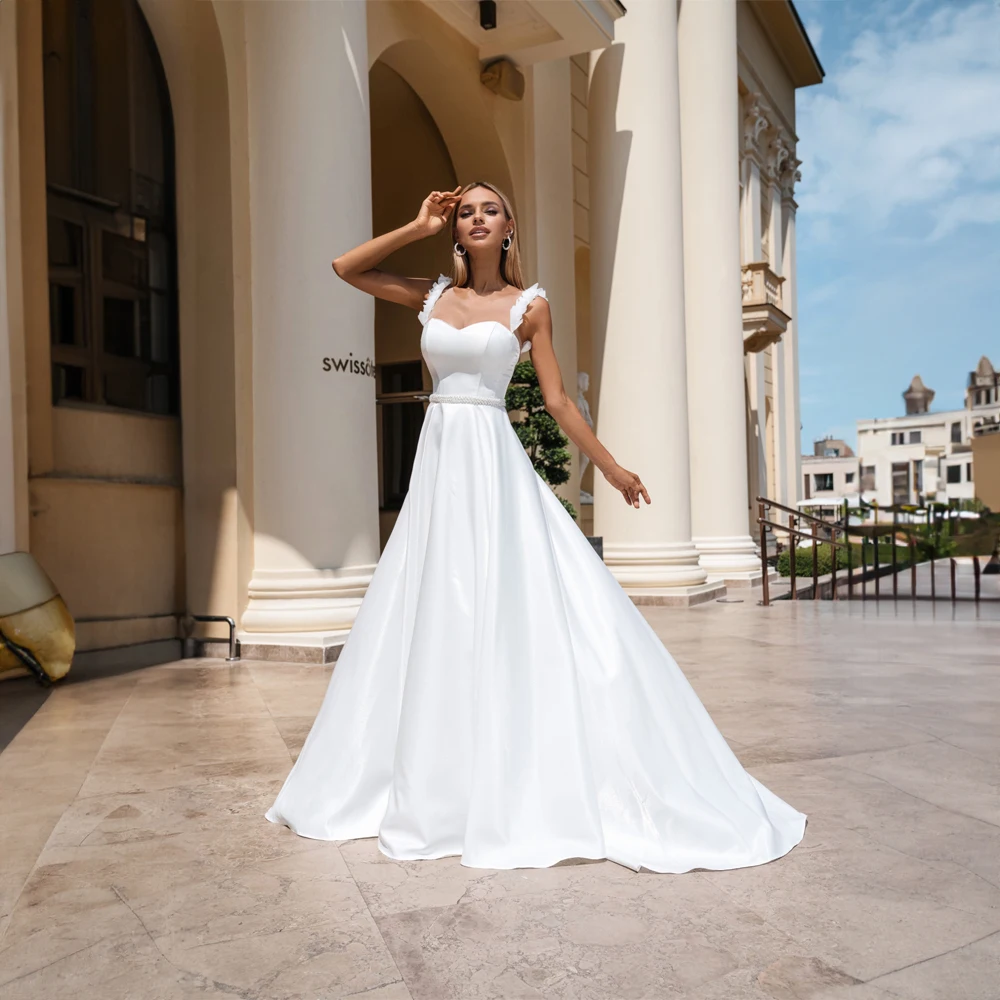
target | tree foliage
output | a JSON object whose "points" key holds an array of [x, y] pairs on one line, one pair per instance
{"points": [[537, 430]]}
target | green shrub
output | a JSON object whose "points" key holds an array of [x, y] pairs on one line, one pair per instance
{"points": [[538, 431], [804, 563]]}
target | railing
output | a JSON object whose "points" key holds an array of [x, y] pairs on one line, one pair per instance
{"points": [[838, 537], [761, 286], [233, 650]]}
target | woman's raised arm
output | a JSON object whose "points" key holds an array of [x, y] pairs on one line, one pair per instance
{"points": [[538, 326], [358, 266]]}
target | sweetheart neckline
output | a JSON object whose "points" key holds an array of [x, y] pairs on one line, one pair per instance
{"points": [[478, 322], [481, 322]]}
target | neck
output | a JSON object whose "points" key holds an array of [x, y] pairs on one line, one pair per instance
{"points": [[484, 273]]}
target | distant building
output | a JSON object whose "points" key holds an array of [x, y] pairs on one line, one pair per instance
{"points": [[830, 472], [831, 447], [986, 461], [926, 455]]}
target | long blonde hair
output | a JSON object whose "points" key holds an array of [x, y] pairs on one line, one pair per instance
{"points": [[510, 260]]}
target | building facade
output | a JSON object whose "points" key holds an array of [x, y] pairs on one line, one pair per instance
{"points": [[830, 473], [926, 455], [197, 416]]}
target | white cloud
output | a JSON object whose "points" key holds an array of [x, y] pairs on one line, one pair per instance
{"points": [[908, 120], [815, 32], [981, 208]]}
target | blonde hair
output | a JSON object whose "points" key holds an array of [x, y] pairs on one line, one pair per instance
{"points": [[510, 260]]}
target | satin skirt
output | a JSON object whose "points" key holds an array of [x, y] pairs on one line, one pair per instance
{"points": [[501, 699]]}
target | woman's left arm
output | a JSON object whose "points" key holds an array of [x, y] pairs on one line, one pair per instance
{"points": [[537, 324]]}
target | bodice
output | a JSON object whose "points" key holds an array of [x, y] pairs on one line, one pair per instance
{"points": [[473, 360]]}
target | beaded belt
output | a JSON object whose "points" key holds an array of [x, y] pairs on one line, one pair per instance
{"points": [[436, 397]]}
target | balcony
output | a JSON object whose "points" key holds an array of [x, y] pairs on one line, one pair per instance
{"points": [[764, 321]]}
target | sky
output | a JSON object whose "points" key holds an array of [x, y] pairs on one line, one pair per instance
{"points": [[898, 224]]}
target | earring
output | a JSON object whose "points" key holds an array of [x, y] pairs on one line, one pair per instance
{"points": [[508, 239], [459, 249]]}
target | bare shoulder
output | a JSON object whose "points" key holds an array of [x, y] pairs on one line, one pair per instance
{"points": [[538, 315]]}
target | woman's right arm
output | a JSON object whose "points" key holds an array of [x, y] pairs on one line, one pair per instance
{"points": [[358, 266]]}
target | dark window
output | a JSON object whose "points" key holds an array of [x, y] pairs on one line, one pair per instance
{"points": [[968, 472], [111, 232], [915, 437], [823, 480], [900, 482], [954, 473], [68, 382], [401, 415], [956, 432], [848, 477]]}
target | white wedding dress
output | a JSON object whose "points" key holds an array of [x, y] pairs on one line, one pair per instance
{"points": [[499, 696]]}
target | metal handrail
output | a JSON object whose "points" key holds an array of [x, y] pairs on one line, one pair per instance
{"points": [[797, 513], [803, 534], [795, 533], [233, 654]]}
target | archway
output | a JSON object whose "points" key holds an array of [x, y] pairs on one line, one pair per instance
{"points": [[212, 311]]}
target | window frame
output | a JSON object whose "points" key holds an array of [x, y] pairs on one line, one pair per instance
{"points": [[97, 216]]}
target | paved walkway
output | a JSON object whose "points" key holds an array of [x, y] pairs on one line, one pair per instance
{"points": [[135, 861]]}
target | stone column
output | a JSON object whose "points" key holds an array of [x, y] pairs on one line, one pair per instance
{"points": [[315, 510], [709, 95], [752, 238], [13, 437], [555, 251], [790, 402], [777, 478], [638, 306]]}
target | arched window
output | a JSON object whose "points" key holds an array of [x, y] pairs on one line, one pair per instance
{"points": [[111, 235]]}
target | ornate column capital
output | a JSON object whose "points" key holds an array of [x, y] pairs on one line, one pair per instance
{"points": [[768, 144]]}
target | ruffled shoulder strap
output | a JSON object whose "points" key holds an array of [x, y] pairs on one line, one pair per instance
{"points": [[433, 294], [520, 307]]}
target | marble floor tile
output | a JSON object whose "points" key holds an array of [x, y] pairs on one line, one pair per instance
{"points": [[971, 972], [864, 908], [135, 860], [223, 897], [291, 689]]}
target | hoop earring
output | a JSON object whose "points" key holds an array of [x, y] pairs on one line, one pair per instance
{"points": [[459, 249], [507, 240]]}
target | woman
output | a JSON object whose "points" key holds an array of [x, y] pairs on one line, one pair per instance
{"points": [[500, 697]]}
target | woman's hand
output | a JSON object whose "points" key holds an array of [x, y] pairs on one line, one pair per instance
{"points": [[435, 211], [628, 484]]}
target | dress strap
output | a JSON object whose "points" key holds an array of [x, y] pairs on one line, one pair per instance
{"points": [[434, 293], [520, 307]]}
